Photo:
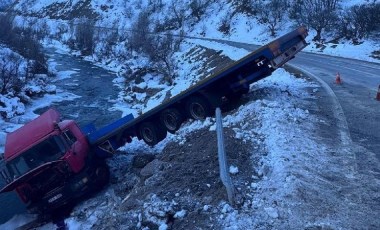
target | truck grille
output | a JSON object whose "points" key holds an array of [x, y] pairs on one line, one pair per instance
{"points": [[53, 192]]}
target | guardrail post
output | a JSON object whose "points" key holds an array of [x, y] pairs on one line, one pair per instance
{"points": [[224, 175]]}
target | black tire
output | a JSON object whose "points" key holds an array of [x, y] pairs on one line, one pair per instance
{"points": [[152, 133], [198, 108], [172, 119]]}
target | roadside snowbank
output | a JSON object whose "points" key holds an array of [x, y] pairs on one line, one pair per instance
{"points": [[286, 132]]}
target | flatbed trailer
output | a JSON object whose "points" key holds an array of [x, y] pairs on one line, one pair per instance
{"points": [[198, 100]]}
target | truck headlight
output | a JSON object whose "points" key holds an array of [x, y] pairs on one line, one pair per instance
{"points": [[80, 184]]}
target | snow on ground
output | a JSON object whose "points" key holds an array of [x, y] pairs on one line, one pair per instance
{"points": [[246, 29], [36, 6], [232, 52], [348, 50], [282, 130], [282, 133], [243, 29]]}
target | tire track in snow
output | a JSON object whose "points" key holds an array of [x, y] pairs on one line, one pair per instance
{"points": [[338, 113]]}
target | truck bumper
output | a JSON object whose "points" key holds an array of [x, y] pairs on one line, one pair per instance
{"points": [[84, 183]]}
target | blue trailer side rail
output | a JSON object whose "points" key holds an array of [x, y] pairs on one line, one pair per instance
{"points": [[249, 69], [113, 142]]}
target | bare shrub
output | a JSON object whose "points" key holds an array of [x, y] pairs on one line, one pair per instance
{"points": [[84, 35], [175, 17], [198, 8], [272, 14], [10, 73], [25, 42], [320, 15], [225, 25], [140, 32], [360, 21], [159, 48], [248, 7]]}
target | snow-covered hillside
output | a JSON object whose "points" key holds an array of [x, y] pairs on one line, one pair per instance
{"points": [[115, 32], [4, 3], [274, 127], [201, 18]]}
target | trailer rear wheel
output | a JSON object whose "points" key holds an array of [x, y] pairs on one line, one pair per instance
{"points": [[152, 133], [172, 119], [198, 108]]}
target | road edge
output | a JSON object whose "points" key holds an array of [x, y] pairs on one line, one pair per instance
{"points": [[338, 113]]}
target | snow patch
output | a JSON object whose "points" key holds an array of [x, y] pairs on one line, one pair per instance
{"points": [[233, 169]]}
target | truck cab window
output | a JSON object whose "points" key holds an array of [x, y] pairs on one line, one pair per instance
{"points": [[18, 167], [69, 136], [51, 149]]}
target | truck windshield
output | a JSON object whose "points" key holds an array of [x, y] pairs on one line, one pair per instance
{"points": [[48, 150]]}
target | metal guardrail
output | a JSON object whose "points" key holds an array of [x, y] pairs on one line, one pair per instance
{"points": [[224, 174]]}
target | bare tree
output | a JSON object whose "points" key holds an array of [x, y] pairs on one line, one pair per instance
{"points": [[23, 40], [84, 35], [161, 51], [361, 20], [158, 47], [198, 8], [174, 18], [320, 15], [10, 72], [246, 6], [155, 5], [178, 10], [140, 38], [272, 14]]}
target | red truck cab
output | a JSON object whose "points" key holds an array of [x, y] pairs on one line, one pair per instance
{"points": [[48, 163]]}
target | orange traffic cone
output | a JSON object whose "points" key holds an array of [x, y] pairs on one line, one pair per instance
{"points": [[378, 94], [338, 81]]}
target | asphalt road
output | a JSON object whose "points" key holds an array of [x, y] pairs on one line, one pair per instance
{"points": [[355, 97], [350, 124], [356, 94]]}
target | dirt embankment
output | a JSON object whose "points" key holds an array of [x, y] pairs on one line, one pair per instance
{"points": [[180, 187]]}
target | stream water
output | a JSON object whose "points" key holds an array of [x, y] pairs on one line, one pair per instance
{"points": [[96, 95], [94, 87]]}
